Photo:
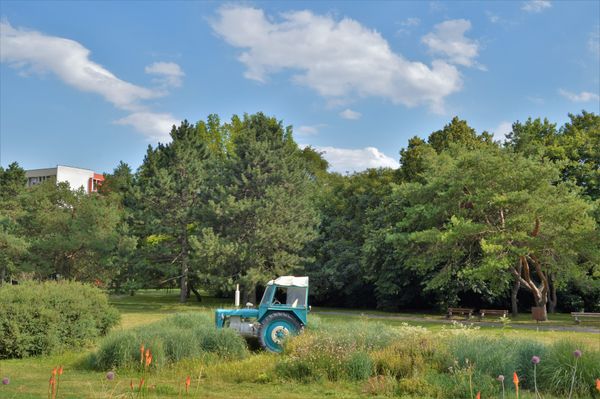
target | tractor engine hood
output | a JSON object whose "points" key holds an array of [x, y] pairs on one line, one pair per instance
{"points": [[222, 314]]}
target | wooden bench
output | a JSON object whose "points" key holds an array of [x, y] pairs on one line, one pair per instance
{"points": [[492, 312], [460, 311], [585, 315]]}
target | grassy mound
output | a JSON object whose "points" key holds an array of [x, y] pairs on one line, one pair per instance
{"points": [[45, 318], [181, 336]]}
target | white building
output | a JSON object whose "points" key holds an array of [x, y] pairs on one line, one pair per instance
{"points": [[76, 177]]}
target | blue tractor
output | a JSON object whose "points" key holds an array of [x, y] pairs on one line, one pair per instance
{"points": [[282, 312]]}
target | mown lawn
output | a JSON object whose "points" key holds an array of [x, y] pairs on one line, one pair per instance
{"points": [[235, 379]]}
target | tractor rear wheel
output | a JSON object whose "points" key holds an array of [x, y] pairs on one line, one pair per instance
{"points": [[275, 328]]}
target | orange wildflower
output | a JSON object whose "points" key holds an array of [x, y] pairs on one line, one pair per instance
{"points": [[54, 371], [141, 384], [188, 381], [598, 384], [478, 395], [131, 384], [516, 382], [60, 370]]}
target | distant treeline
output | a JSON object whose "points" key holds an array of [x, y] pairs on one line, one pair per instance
{"points": [[464, 219]]}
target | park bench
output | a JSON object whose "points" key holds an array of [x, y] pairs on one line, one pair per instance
{"points": [[492, 312], [585, 315], [467, 312]]}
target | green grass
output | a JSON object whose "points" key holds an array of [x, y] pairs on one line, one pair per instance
{"points": [[252, 377]]}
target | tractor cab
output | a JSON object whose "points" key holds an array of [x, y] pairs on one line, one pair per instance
{"points": [[282, 311]]}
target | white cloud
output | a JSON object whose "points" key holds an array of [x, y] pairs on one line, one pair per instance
{"points": [[31, 51], [70, 62], [349, 114], [353, 160], [536, 5], [448, 40], [502, 130], [583, 97], [156, 126], [338, 59], [169, 73]]}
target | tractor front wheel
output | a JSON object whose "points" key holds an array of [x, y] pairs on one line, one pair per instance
{"points": [[275, 328]]}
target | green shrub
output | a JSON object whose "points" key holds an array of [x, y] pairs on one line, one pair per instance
{"points": [[45, 318], [181, 336]]}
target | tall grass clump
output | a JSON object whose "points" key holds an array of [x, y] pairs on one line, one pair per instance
{"points": [[181, 336], [409, 356], [339, 350], [491, 356], [46, 318], [558, 372]]}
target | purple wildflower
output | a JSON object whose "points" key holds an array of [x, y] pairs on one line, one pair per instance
{"points": [[500, 378], [5, 381], [577, 353], [110, 375], [535, 360]]}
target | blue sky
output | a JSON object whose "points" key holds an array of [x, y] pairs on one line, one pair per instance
{"points": [[91, 83]]}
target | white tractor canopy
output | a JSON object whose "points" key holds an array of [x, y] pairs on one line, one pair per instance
{"points": [[289, 281]]}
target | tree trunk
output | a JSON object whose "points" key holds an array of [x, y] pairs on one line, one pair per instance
{"points": [[183, 295], [3, 275], [514, 291], [540, 293], [192, 289], [250, 296], [553, 299]]}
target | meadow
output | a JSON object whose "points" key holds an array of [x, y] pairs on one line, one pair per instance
{"points": [[341, 356]]}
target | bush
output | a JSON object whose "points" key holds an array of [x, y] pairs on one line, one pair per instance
{"points": [[46, 318], [181, 336]]}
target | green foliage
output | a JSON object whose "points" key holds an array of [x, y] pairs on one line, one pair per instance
{"points": [[12, 181], [262, 213], [181, 336], [45, 318], [170, 188], [338, 275], [575, 147]]}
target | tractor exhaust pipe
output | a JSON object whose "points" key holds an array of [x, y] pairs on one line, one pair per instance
{"points": [[237, 295]]}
